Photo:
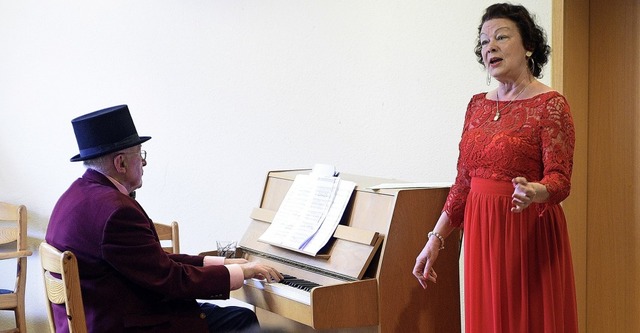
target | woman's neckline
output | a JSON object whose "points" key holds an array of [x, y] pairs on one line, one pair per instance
{"points": [[518, 100]]}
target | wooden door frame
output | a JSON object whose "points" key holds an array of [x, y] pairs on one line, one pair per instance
{"points": [[570, 76]]}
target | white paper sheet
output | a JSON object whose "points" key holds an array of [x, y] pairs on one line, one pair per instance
{"points": [[309, 213]]}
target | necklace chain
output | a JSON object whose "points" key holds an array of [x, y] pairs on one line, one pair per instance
{"points": [[497, 116]]}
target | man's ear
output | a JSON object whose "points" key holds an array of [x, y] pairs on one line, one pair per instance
{"points": [[120, 163]]}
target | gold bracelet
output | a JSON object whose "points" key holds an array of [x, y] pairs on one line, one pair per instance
{"points": [[432, 233]]}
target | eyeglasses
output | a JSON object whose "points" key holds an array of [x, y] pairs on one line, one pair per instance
{"points": [[143, 154]]}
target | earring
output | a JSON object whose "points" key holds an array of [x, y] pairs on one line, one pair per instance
{"points": [[488, 78], [528, 54], [532, 64]]}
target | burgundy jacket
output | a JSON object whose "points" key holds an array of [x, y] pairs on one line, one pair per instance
{"points": [[129, 284]]}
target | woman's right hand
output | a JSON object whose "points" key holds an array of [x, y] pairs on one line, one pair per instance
{"points": [[423, 269]]}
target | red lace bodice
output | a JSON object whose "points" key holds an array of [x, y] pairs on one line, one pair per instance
{"points": [[534, 138]]}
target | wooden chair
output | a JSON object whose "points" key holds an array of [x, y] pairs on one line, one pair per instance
{"points": [[62, 286], [13, 229], [169, 233]]}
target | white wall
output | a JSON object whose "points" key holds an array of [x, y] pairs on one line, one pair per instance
{"points": [[230, 90]]}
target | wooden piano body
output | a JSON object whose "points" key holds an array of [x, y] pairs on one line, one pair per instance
{"points": [[364, 271]]}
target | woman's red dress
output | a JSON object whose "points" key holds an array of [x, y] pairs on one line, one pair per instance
{"points": [[518, 270]]}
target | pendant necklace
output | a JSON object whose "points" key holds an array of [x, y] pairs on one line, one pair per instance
{"points": [[497, 116]]}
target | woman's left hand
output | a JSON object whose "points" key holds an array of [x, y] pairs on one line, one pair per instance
{"points": [[523, 194]]}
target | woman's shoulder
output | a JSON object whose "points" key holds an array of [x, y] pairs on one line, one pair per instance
{"points": [[543, 91], [481, 95], [479, 98], [553, 97]]}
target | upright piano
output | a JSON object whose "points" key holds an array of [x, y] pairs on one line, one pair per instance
{"points": [[362, 280]]}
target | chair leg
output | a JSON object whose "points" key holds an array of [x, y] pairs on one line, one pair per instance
{"points": [[21, 322]]}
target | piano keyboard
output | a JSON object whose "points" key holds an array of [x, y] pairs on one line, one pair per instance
{"points": [[290, 287], [298, 283]]}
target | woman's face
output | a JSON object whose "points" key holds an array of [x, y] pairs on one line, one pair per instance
{"points": [[503, 52]]}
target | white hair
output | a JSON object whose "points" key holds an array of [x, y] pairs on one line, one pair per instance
{"points": [[100, 163]]}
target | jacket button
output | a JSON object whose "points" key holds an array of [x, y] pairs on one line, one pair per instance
{"points": [[202, 315]]}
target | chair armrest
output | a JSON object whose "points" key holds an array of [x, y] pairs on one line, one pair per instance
{"points": [[16, 254]]}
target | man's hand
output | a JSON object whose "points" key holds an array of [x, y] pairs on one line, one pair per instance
{"points": [[256, 270]]}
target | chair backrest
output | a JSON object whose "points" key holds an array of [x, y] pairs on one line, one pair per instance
{"points": [[13, 225], [13, 229], [62, 286], [169, 233]]}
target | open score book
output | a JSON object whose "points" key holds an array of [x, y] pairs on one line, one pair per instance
{"points": [[310, 212]]}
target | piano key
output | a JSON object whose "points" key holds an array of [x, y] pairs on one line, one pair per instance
{"points": [[298, 283], [293, 293]]}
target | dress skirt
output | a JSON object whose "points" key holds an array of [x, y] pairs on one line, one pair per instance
{"points": [[518, 268]]}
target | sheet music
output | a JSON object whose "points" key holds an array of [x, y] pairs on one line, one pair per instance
{"points": [[309, 213], [328, 227]]}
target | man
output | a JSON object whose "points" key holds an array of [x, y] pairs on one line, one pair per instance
{"points": [[129, 284]]}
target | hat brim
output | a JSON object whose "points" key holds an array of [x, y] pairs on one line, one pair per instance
{"points": [[79, 158]]}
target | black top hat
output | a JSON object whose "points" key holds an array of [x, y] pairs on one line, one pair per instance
{"points": [[105, 131]]}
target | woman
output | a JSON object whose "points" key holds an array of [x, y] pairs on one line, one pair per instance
{"points": [[514, 169]]}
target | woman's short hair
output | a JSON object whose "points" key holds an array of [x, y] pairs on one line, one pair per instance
{"points": [[534, 38]]}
